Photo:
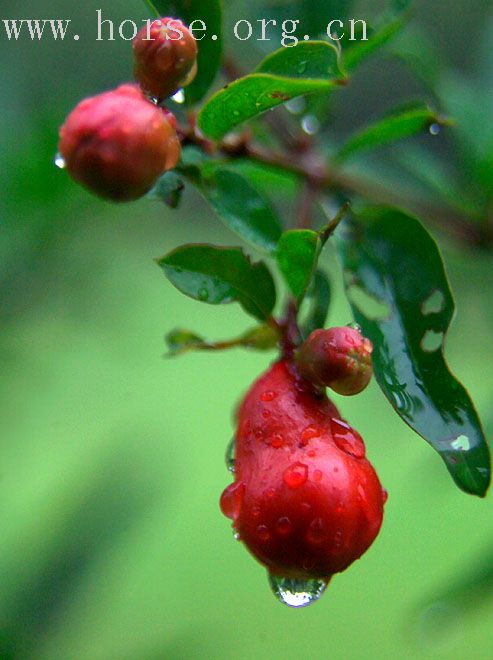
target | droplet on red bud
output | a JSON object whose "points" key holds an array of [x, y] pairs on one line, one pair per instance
{"points": [[117, 144], [165, 57]]}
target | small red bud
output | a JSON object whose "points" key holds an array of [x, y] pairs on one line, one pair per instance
{"points": [[165, 57], [117, 144], [339, 358]]}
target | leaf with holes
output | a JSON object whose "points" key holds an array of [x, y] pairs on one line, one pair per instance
{"points": [[209, 55], [220, 275], [398, 290], [308, 67]]}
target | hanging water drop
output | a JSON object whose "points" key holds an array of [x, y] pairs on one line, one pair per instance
{"points": [[310, 124], [203, 294], [297, 593], [434, 129], [60, 161], [296, 106], [179, 96], [230, 455]]}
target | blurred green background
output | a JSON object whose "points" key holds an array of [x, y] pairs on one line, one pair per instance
{"points": [[111, 459]]}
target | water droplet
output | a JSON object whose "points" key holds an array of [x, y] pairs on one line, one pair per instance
{"points": [[385, 495], [277, 440], [434, 129], [60, 161], [297, 593], [308, 433], [310, 124], [268, 396], [255, 511], [317, 530], [263, 532], [237, 536], [179, 96], [347, 439], [354, 326], [236, 113], [317, 475], [283, 526], [259, 434], [265, 413], [302, 66], [312, 453], [203, 294], [296, 106], [232, 499], [270, 492], [295, 475], [230, 455]]}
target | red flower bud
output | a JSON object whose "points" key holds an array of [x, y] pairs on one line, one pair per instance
{"points": [[165, 57], [339, 358], [305, 501], [117, 144]]}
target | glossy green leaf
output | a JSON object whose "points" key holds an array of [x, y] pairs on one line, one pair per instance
{"points": [[297, 255], [308, 67], [169, 189], [395, 126], [398, 290], [219, 275], [210, 50], [318, 301], [242, 208], [235, 200], [359, 50]]}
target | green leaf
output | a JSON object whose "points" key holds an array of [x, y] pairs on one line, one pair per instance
{"points": [[395, 126], [318, 301], [169, 189], [238, 204], [209, 50], [180, 341], [289, 72], [261, 338], [297, 255], [398, 290], [220, 275], [242, 208], [390, 24]]}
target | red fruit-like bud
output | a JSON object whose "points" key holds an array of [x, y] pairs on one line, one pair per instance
{"points": [[305, 500], [117, 144], [339, 358], [165, 57]]}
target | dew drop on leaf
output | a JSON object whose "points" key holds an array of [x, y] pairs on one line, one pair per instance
{"points": [[296, 106], [296, 593], [203, 294], [434, 129]]}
